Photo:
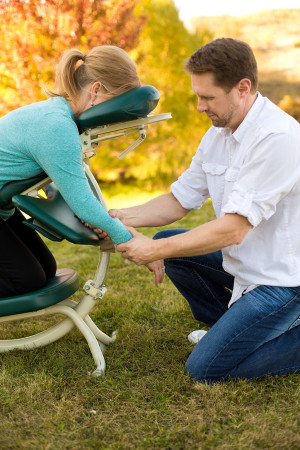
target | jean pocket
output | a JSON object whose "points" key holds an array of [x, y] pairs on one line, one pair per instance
{"points": [[295, 324], [269, 299]]}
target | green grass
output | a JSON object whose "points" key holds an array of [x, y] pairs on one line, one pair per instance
{"points": [[49, 400]]}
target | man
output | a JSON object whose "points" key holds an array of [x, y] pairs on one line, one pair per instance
{"points": [[241, 272]]}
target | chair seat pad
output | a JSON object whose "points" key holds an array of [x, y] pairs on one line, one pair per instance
{"points": [[64, 284]]}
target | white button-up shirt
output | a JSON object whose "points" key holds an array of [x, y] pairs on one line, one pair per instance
{"points": [[254, 172]]}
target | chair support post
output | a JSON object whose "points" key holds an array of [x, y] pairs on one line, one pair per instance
{"points": [[140, 101]]}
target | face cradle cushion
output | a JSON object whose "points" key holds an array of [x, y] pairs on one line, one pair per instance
{"points": [[134, 104]]}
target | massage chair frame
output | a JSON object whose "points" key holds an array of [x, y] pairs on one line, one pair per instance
{"points": [[77, 314]]}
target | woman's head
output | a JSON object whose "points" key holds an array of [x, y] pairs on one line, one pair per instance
{"points": [[107, 65]]}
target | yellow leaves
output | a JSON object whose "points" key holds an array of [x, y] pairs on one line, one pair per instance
{"points": [[291, 106], [34, 34]]}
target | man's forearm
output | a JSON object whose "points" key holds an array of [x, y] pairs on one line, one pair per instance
{"points": [[160, 211], [210, 237]]}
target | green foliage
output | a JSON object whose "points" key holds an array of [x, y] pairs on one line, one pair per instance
{"points": [[291, 106], [34, 34], [164, 45]]}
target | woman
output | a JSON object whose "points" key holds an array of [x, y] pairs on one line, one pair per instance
{"points": [[44, 137]]}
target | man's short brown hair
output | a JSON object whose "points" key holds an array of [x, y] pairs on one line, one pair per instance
{"points": [[228, 59]]}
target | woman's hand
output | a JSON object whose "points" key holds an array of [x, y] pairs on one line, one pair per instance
{"points": [[100, 233], [114, 213]]}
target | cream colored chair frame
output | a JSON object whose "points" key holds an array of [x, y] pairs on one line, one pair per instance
{"points": [[77, 314]]}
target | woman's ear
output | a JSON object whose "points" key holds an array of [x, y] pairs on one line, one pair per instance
{"points": [[95, 90]]}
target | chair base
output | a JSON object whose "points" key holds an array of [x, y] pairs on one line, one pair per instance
{"points": [[76, 315]]}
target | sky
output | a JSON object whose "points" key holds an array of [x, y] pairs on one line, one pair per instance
{"points": [[191, 8]]}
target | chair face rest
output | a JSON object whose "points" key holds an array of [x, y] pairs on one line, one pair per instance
{"points": [[16, 187], [136, 103], [62, 286]]}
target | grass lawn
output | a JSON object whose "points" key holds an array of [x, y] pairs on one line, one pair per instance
{"points": [[48, 399]]}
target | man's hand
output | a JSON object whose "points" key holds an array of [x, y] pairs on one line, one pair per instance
{"points": [[140, 249], [118, 214], [158, 268]]}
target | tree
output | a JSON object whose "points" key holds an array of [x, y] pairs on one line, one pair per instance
{"points": [[164, 45], [291, 106], [34, 33]]}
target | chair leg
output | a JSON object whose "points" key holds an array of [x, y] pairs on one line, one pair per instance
{"points": [[41, 339], [89, 336], [77, 314], [102, 338], [58, 331]]}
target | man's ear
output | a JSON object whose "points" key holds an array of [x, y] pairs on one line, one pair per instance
{"points": [[244, 87]]}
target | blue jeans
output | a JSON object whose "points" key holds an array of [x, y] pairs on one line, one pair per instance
{"points": [[258, 335]]}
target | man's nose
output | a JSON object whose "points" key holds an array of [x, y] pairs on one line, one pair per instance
{"points": [[202, 106]]}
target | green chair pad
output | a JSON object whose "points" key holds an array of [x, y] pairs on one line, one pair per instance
{"points": [[62, 286]]}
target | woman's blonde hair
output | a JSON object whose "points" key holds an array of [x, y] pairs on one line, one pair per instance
{"points": [[108, 64]]}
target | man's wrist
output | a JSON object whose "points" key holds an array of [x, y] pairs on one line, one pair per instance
{"points": [[159, 249]]}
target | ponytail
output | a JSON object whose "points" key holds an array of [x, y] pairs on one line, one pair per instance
{"points": [[108, 64]]}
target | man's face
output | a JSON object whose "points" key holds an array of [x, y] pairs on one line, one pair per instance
{"points": [[223, 108]]}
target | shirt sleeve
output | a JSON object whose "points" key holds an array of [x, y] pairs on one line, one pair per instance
{"points": [[56, 147], [191, 187], [271, 171]]}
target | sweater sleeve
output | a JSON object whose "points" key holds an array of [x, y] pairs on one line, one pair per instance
{"points": [[56, 147]]}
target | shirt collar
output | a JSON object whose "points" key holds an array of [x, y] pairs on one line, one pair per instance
{"points": [[250, 117], [242, 128]]}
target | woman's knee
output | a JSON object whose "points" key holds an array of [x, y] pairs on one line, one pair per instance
{"points": [[199, 373], [50, 267], [22, 283], [31, 280]]}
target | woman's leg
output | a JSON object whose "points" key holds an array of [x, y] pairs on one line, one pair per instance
{"points": [[201, 280], [25, 261], [34, 243], [253, 338]]}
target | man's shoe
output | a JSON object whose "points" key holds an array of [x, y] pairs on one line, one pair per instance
{"points": [[195, 336]]}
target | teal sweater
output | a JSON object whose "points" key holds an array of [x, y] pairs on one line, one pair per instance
{"points": [[44, 137]]}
